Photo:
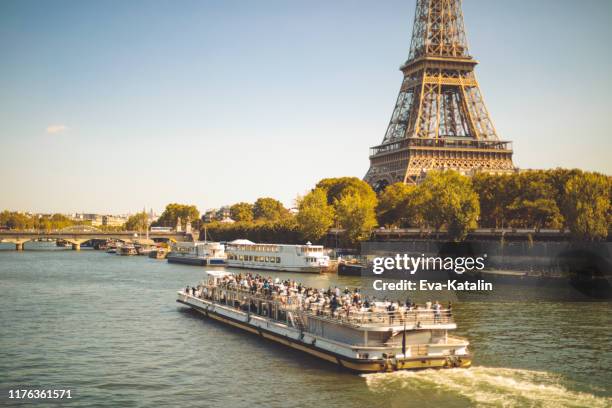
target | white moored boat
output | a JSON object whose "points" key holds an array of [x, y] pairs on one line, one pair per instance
{"points": [[243, 253], [197, 253], [357, 336]]}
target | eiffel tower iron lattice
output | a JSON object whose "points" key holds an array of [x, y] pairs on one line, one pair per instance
{"points": [[440, 120]]}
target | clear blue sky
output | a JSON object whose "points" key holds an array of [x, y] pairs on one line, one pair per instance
{"points": [[108, 106]]}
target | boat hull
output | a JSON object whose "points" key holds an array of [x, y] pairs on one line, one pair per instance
{"points": [[157, 254], [188, 260], [347, 269], [352, 364]]}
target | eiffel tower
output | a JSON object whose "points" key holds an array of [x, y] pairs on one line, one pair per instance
{"points": [[440, 120]]}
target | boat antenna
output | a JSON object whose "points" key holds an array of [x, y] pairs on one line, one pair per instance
{"points": [[404, 338]]}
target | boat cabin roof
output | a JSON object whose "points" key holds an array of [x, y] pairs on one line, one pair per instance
{"points": [[246, 243], [218, 274]]}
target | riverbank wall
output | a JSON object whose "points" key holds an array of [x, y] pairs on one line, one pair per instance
{"points": [[534, 257]]}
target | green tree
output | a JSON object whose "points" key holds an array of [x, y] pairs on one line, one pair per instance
{"points": [[242, 212], [448, 200], [269, 209], [558, 179], [496, 193], [60, 221], [357, 215], [315, 216], [394, 205], [588, 204], [174, 211], [16, 220], [336, 188], [137, 222], [534, 204], [283, 231]]}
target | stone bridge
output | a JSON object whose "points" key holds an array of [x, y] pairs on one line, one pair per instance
{"points": [[76, 235]]}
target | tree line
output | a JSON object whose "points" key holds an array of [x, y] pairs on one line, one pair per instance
{"points": [[19, 221], [445, 201]]}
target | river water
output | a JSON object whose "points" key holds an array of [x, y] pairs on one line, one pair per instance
{"points": [[108, 328]]}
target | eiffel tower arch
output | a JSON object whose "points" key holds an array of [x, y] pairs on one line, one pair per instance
{"points": [[440, 120]]}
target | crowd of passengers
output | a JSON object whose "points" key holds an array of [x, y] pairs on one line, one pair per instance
{"points": [[335, 302]]}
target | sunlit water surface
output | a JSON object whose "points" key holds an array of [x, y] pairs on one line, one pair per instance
{"points": [[108, 328]]}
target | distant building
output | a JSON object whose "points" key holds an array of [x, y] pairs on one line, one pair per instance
{"points": [[215, 214], [112, 221], [210, 215], [224, 212], [98, 220]]}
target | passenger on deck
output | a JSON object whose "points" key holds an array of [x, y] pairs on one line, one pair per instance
{"points": [[328, 302]]}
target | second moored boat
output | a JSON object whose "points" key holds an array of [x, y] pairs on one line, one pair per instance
{"points": [[243, 253]]}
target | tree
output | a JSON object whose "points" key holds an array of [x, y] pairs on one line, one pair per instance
{"points": [[354, 203], [356, 214], [269, 209], [242, 212], [174, 211], [336, 188], [449, 200], [394, 207], [558, 178], [285, 231], [588, 204], [315, 216], [534, 204], [496, 193], [137, 222], [60, 221], [16, 220]]}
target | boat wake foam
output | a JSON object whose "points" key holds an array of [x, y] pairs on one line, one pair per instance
{"points": [[488, 386]]}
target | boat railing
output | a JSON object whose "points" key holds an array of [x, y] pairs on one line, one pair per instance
{"points": [[374, 316], [416, 318]]}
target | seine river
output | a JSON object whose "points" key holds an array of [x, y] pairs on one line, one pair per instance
{"points": [[108, 329]]}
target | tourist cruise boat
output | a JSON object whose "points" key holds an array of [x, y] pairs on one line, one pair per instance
{"points": [[243, 253], [375, 340], [197, 253]]}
